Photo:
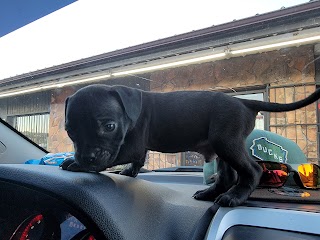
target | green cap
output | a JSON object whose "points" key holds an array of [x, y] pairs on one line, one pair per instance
{"points": [[267, 146]]}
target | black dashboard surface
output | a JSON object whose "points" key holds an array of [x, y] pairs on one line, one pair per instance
{"points": [[151, 206], [110, 205]]}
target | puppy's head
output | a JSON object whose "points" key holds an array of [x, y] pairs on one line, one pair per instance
{"points": [[97, 119]]}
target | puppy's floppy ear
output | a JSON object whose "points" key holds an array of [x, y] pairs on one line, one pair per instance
{"points": [[132, 101]]}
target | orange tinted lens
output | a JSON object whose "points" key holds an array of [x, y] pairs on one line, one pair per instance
{"points": [[310, 175], [274, 174]]}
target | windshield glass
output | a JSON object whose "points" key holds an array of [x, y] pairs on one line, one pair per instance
{"points": [[258, 50]]}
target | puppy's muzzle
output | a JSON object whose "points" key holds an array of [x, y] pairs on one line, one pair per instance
{"points": [[96, 160]]}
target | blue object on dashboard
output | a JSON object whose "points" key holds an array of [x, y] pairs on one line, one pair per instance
{"points": [[53, 159]]}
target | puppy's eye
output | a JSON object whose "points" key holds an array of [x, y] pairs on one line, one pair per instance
{"points": [[110, 127]]}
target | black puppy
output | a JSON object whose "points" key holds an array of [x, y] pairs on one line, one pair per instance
{"points": [[117, 125]]}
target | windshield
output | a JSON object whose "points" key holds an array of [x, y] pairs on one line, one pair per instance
{"points": [[258, 50]]}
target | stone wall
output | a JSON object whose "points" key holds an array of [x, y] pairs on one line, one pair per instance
{"points": [[58, 140], [278, 70], [281, 70], [287, 66]]}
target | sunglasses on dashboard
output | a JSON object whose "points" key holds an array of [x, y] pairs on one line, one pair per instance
{"points": [[275, 174]]}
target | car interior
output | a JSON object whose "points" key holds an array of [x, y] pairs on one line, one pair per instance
{"points": [[45, 202], [253, 50]]}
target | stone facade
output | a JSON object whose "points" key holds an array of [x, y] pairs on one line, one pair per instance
{"points": [[287, 66], [58, 140], [286, 75]]}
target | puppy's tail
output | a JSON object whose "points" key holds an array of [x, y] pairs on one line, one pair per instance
{"points": [[279, 107]]}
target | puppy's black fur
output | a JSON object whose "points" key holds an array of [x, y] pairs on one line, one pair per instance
{"points": [[117, 125]]}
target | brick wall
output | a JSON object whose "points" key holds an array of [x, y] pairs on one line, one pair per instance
{"points": [[300, 125]]}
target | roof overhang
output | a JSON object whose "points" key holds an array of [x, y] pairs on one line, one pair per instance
{"points": [[290, 27]]}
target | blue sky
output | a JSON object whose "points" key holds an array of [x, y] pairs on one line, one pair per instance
{"points": [[17, 13], [87, 28]]}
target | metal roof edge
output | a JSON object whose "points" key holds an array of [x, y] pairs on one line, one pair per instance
{"points": [[225, 27]]}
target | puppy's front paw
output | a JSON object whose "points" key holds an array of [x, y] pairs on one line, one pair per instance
{"points": [[129, 172], [132, 170], [70, 165], [66, 163], [229, 200], [235, 196], [205, 195]]}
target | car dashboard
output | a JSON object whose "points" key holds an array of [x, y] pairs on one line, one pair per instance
{"points": [[25, 222], [45, 202], [28, 213]]}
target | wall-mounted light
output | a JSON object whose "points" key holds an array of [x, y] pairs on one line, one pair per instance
{"points": [[255, 46], [52, 86], [276, 45], [170, 65]]}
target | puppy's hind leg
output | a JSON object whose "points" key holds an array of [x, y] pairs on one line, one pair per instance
{"points": [[249, 172], [226, 178]]}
